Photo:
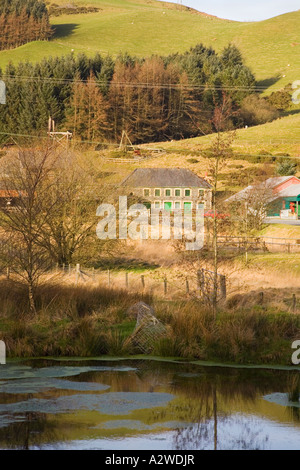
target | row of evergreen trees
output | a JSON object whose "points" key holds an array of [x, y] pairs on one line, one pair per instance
{"points": [[153, 99], [22, 21]]}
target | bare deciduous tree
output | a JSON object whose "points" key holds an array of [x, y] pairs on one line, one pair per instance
{"points": [[26, 183]]}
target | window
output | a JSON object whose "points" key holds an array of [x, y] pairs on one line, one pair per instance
{"points": [[157, 192], [187, 192], [177, 192], [201, 192], [156, 205], [168, 206], [177, 205], [168, 192], [187, 207], [146, 192]]}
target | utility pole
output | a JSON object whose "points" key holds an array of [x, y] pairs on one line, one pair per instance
{"points": [[2, 92], [59, 137]]}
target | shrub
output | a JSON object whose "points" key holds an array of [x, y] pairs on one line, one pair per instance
{"points": [[255, 110], [286, 168]]}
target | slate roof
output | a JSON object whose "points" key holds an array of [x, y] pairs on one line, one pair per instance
{"points": [[164, 178]]}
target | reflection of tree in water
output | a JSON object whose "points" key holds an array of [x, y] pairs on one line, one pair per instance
{"points": [[34, 429], [200, 407], [202, 435]]}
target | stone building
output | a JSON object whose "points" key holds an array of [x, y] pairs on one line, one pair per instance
{"points": [[169, 188]]}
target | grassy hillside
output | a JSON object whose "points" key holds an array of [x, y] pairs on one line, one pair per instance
{"points": [[252, 147], [144, 27], [279, 136]]}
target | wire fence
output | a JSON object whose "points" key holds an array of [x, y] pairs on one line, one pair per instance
{"points": [[167, 285], [259, 244]]}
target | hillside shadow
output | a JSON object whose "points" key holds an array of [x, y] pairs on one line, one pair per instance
{"points": [[64, 30], [268, 82]]}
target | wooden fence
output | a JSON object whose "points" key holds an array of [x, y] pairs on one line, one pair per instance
{"points": [[262, 244]]}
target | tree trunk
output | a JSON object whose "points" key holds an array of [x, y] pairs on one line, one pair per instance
{"points": [[31, 297]]}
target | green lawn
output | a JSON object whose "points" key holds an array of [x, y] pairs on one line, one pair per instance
{"points": [[271, 48]]}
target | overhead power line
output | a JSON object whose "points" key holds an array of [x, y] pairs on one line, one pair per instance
{"points": [[112, 83]]}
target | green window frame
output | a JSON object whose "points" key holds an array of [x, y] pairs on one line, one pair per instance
{"points": [[157, 192], [146, 192], [178, 192], [187, 192], [168, 192]]}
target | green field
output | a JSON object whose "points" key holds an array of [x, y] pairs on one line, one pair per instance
{"points": [[271, 48], [281, 135]]}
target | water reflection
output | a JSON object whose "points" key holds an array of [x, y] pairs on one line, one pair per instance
{"points": [[186, 406]]}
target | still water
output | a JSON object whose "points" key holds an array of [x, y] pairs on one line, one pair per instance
{"points": [[146, 404]]}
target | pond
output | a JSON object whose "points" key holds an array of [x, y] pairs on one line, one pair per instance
{"points": [[146, 405]]}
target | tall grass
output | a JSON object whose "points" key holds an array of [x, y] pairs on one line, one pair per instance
{"points": [[70, 320], [91, 321], [251, 335]]}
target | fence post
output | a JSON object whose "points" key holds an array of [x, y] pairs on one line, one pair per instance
{"points": [[126, 280], [69, 269], [7, 272], [77, 272], [143, 281], [165, 286], [187, 285], [200, 281], [294, 303], [108, 277], [261, 298], [223, 286]]}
